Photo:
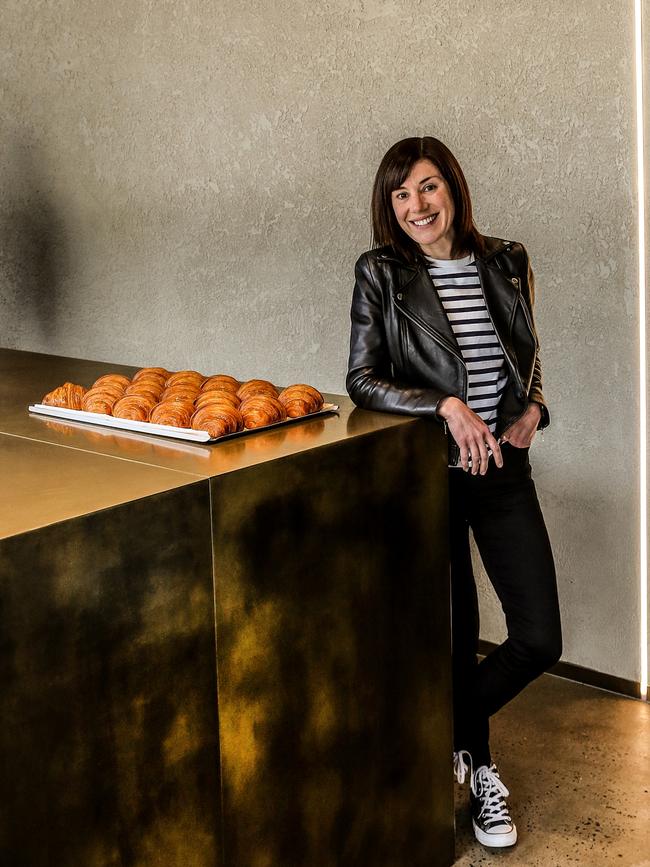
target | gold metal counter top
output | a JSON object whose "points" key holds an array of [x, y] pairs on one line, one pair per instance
{"points": [[54, 470], [26, 376], [44, 484]]}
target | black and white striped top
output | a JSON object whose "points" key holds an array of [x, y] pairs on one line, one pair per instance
{"points": [[459, 289]]}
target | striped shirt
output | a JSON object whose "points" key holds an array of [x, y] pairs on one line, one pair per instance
{"points": [[459, 289]]}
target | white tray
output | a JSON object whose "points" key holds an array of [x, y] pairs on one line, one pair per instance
{"points": [[160, 430]]}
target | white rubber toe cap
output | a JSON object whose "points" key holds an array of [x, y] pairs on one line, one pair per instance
{"points": [[498, 837]]}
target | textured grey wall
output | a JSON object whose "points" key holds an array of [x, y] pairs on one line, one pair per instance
{"points": [[187, 184]]}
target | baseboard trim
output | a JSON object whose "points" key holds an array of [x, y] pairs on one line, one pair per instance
{"points": [[588, 676]]}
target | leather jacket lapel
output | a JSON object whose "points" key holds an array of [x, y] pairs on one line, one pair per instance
{"points": [[501, 296], [419, 300]]}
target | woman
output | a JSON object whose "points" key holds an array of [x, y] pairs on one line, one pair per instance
{"points": [[442, 327]]}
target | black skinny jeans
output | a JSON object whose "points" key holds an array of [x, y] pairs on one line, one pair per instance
{"points": [[502, 509]]}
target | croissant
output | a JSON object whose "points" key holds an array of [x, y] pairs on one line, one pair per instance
{"points": [[111, 389], [152, 371], [180, 392], [217, 419], [256, 386], [173, 413], [100, 400], [67, 395], [185, 377], [116, 378], [221, 382], [145, 387], [153, 379], [218, 396], [301, 400], [136, 407], [261, 410]]}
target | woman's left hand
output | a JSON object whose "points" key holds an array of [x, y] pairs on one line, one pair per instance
{"points": [[520, 434]]}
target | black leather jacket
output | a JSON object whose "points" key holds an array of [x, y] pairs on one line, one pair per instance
{"points": [[404, 357]]}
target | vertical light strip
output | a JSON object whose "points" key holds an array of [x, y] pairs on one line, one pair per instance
{"points": [[643, 565]]}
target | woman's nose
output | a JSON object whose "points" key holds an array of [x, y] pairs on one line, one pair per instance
{"points": [[417, 202]]}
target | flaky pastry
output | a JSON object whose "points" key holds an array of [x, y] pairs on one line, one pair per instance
{"points": [[256, 386], [301, 399], [221, 382], [100, 400], [172, 413], [136, 407], [152, 379], [186, 377], [112, 389], [218, 396], [218, 419], [145, 387], [112, 378], [180, 392], [261, 410], [159, 372], [68, 395]]}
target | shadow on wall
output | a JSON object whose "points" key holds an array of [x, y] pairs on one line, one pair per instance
{"points": [[35, 248]]}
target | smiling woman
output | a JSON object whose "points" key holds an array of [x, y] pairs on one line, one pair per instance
{"points": [[415, 184], [442, 327]]}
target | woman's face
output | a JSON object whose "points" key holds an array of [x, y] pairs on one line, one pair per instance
{"points": [[425, 209]]}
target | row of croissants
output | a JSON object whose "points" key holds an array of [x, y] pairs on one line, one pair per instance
{"points": [[217, 404]]}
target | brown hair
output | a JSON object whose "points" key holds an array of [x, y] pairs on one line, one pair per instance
{"points": [[391, 174]]}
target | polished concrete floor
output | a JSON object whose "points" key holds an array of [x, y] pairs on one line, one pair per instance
{"points": [[577, 763]]}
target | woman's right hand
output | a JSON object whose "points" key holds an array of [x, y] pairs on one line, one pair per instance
{"points": [[471, 434]]}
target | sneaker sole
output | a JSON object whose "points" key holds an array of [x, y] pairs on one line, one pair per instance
{"points": [[495, 841]]}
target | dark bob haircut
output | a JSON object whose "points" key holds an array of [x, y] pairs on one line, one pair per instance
{"points": [[391, 174]]}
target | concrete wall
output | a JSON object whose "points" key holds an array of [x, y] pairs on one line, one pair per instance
{"points": [[187, 184]]}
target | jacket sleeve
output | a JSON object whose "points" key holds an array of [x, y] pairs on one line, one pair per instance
{"points": [[370, 381], [535, 392]]}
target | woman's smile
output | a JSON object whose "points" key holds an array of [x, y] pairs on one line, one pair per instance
{"points": [[424, 222]]}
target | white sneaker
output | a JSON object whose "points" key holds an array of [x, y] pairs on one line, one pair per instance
{"points": [[490, 815], [462, 764]]}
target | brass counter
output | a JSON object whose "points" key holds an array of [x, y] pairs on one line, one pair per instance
{"points": [[233, 655], [26, 376]]}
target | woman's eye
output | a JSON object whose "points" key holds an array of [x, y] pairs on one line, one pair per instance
{"points": [[401, 195], [429, 188]]}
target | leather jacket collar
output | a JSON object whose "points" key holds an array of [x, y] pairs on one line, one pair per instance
{"points": [[414, 296]]}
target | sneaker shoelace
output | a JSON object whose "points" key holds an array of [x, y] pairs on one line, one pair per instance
{"points": [[492, 792], [462, 764]]}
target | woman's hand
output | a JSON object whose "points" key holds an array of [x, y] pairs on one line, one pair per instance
{"points": [[520, 434], [471, 434]]}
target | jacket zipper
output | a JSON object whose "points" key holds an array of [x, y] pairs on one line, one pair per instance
{"points": [[503, 349], [444, 345], [527, 318], [520, 301], [440, 342]]}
